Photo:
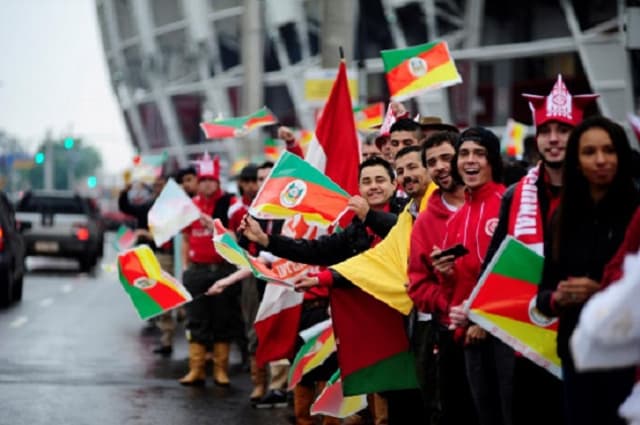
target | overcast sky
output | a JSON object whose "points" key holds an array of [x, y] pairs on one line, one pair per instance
{"points": [[53, 76]]}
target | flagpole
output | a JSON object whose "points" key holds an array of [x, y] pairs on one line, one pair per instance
{"points": [[341, 52]]}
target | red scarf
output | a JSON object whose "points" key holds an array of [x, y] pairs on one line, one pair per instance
{"points": [[525, 220]]}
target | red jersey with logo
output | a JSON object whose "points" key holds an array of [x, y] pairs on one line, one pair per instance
{"points": [[200, 238], [472, 226]]}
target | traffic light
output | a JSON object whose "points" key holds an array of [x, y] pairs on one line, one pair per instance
{"points": [[39, 158], [92, 182], [69, 142]]}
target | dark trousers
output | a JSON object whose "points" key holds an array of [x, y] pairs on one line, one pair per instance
{"points": [[212, 319], [489, 365], [423, 343], [534, 387], [453, 392], [594, 397], [405, 407]]}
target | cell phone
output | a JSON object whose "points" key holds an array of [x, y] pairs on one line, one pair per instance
{"points": [[456, 250]]}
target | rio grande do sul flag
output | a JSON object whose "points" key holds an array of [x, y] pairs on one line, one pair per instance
{"points": [[238, 126], [152, 290], [512, 142], [413, 70], [125, 238], [317, 348], [368, 116], [296, 187], [281, 271], [332, 402], [503, 303]]}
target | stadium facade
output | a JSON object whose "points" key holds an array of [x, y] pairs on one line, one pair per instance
{"points": [[174, 63]]}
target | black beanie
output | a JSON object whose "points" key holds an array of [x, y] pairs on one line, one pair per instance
{"points": [[490, 142]]}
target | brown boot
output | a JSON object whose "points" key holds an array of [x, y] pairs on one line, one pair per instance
{"points": [[380, 409], [196, 375], [259, 379], [303, 397], [221, 363]]}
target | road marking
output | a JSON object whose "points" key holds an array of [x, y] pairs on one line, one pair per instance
{"points": [[18, 322], [66, 288], [46, 302]]}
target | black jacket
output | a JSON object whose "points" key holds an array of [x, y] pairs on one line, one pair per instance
{"points": [[332, 249], [597, 233]]}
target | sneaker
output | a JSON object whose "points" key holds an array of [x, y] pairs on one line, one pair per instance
{"points": [[274, 398]]}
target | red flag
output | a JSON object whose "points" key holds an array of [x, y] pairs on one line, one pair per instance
{"points": [[336, 149]]}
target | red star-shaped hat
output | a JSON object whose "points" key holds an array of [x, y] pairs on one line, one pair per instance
{"points": [[207, 167], [559, 105]]}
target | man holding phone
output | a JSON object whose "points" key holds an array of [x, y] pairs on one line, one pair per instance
{"points": [[479, 165], [445, 377]]}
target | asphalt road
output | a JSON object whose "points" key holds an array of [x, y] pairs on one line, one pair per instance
{"points": [[75, 352]]}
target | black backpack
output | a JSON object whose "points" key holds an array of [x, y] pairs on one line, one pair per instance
{"points": [[221, 209]]}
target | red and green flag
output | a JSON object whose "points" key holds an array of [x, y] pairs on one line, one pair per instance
{"points": [[152, 290], [313, 353], [368, 116], [332, 402], [125, 239], [373, 353], [271, 149], [504, 303], [296, 187], [238, 126], [416, 69], [280, 271]]}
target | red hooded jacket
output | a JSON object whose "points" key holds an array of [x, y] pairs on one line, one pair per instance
{"points": [[428, 231], [472, 226]]}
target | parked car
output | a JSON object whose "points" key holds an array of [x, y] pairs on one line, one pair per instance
{"points": [[94, 212], [59, 224], [11, 254]]}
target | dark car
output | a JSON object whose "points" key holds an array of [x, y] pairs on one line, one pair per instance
{"points": [[11, 254], [96, 216], [60, 224]]}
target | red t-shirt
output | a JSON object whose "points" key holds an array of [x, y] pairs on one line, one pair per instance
{"points": [[200, 238]]}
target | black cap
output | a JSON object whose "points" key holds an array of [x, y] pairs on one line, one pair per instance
{"points": [[249, 172]]}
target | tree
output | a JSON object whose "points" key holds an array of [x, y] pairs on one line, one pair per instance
{"points": [[81, 160]]}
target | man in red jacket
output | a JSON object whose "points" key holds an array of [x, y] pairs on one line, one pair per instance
{"points": [[525, 213], [210, 320], [479, 165], [446, 377]]}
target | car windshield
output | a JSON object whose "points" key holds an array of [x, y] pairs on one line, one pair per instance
{"points": [[51, 204]]}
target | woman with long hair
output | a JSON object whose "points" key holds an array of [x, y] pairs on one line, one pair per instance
{"points": [[597, 202]]}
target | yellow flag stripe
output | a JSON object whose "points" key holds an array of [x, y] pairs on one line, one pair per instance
{"points": [[446, 75]]}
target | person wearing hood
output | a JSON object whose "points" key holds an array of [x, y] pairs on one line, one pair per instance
{"points": [[479, 165], [444, 377]]}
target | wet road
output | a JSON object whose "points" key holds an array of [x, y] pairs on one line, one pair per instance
{"points": [[75, 352]]}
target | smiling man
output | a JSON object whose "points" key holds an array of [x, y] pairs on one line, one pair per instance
{"points": [[376, 210], [526, 210], [446, 376], [479, 166]]}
